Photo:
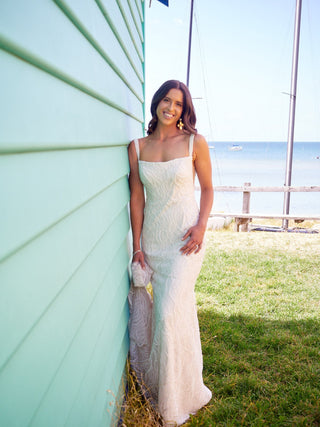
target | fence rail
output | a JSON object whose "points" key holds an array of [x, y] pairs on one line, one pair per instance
{"points": [[242, 219], [284, 189]]}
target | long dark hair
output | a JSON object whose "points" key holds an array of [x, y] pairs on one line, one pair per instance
{"points": [[188, 114]]}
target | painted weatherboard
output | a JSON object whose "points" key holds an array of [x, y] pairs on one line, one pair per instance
{"points": [[72, 93]]}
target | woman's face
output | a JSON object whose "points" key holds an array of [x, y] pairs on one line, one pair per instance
{"points": [[170, 108]]}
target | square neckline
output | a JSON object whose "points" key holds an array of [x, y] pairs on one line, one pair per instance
{"points": [[165, 161], [191, 139]]}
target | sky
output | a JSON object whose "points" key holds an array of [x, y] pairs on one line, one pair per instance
{"points": [[241, 60]]}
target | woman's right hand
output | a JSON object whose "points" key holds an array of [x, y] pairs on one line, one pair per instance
{"points": [[139, 257]]}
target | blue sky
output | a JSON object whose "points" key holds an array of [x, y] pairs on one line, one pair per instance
{"points": [[240, 65]]}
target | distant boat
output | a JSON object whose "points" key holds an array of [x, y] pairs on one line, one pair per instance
{"points": [[212, 146], [235, 147]]}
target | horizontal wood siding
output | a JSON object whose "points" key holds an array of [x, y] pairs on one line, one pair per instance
{"points": [[72, 93]]}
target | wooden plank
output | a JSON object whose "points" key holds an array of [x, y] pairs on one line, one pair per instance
{"points": [[113, 343], [48, 187], [118, 387], [71, 119], [103, 39], [127, 17], [140, 5], [112, 80], [72, 91], [110, 381], [284, 189], [113, 414], [89, 347], [52, 259], [84, 68], [260, 215], [36, 362], [112, 14], [136, 18]]}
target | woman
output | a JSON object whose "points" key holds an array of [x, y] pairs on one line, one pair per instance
{"points": [[168, 231]]}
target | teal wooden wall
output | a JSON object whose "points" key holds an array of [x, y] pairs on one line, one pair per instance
{"points": [[71, 98]]}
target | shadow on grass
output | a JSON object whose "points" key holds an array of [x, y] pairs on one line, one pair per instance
{"points": [[261, 372]]}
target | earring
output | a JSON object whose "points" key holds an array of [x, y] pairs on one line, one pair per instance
{"points": [[180, 125]]}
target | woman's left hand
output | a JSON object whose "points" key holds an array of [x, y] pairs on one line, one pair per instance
{"points": [[194, 244]]}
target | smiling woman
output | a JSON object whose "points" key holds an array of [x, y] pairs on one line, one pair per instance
{"points": [[168, 231], [188, 116], [170, 107]]}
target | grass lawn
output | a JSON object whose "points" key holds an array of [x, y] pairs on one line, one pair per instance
{"points": [[258, 300]]}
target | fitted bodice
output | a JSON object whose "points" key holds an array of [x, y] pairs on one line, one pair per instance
{"points": [[168, 183]]}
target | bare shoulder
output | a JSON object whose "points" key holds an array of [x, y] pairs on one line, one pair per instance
{"points": [[200, 143], [145, 138], [143, 141], [132, 153], [131, 149]]}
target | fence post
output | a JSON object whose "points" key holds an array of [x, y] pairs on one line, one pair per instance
{"points": [[246, 206]]}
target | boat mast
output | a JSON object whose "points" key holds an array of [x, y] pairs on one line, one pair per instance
{"points": [[293, 91], [190, 39]]}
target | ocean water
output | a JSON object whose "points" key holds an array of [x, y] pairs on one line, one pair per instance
{"points": [[264, 164]]}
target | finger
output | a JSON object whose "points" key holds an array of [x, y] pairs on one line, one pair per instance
{"points": [[198, 249], [184, 248], [187, 246], [195, 249], [188, 233], [189, 249], [192, 250]]}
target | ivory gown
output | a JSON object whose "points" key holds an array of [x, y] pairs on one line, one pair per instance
{"points": [[165, 347]]}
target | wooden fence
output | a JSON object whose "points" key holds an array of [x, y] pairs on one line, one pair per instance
{"points": [[242, 219]]}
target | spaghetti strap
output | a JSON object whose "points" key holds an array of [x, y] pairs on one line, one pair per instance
{"points": [[191, 144], [136, 144]]}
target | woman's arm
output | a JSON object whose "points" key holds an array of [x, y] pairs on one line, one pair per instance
{"points": [[137, 203], [204, 172], [203, 169]]}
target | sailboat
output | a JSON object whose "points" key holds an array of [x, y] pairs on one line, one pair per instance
{"points": [[235, 147]]}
